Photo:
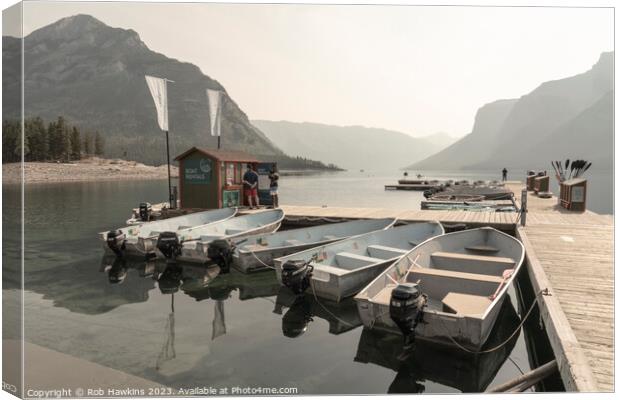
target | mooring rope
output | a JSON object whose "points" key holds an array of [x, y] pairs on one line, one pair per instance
{"points": [[324, 308], [499, 346], [261, 261]]}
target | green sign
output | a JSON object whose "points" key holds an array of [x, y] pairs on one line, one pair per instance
{"points": [[230, 198], [198, 171]]}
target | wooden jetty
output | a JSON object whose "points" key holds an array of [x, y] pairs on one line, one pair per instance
{"points": [[572, 255], [412, 186], [568, 253]]}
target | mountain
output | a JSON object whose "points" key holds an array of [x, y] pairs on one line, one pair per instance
{"points": [[440, 139], [93, 75], [565, 118], [353, 147]]}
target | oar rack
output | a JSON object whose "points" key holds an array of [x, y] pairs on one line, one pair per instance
{"points": [[573, 194]]}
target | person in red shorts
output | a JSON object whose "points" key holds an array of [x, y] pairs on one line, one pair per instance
{"points": [[250, 186]]}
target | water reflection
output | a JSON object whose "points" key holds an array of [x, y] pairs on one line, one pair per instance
{"points": [[430, 362], [342, 317]]}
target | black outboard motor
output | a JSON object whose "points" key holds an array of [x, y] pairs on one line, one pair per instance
{"points": [[145, 210], [407, 309], [296, 275], [220, 251], [427, 193], [169, 245], [116, 242]]}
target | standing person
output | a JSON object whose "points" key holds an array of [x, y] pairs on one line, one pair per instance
{"points": [[250, 185], [273, 185], [504, 174]]}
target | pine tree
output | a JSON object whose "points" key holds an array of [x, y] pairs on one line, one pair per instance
{"points": [[52, 141], [11, 147], [99, 144], [86, 144], [36, 136], [75, 144]]}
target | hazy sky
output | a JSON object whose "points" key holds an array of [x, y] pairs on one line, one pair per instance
{"points": [[419, 70]]}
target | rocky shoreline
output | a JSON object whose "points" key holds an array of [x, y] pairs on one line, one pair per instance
{"points": [[87, 170]]}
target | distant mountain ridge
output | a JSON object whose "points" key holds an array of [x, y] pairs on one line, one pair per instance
{"points": [[353, 147], [565, 118], [93, 75]]}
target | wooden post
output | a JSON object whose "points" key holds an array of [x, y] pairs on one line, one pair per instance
{"points": [[523, 206], [528, 379]]}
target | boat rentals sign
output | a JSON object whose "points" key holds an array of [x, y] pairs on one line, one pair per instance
{"points": [[198, 171]]}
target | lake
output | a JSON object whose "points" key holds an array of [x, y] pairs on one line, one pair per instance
{"points": [[190, 327]]}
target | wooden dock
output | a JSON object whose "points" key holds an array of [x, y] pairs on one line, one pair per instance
{"points": [[568, 253], [571, 254]]}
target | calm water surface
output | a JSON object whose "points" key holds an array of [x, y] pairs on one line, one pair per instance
{"points": [[192, 327]]}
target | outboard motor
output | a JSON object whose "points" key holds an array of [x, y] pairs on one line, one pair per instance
{"points": [[296, 275], [220, 251], [407, 309], [116, 242], [169, 245], [145, 210], [427, 194]]}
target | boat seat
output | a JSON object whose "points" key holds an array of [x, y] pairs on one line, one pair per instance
{"points": [[183, 227], [437, 283], [352, 261], [456, 274], [385, 252], [465, 304], [233, 231], [330, 237], [477, 264], [292, 242], [483, 248]]}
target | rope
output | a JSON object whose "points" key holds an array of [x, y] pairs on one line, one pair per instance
{"points": [[324, 308], [499, 346], [261, 261]]}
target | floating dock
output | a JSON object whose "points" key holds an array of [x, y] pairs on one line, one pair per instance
{"points": [[568, 253], [412, 186]]}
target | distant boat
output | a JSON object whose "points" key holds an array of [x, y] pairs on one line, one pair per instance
{"points": [[213, 242], [256, 251], [339, 270], [449, 288], [129, 240]]}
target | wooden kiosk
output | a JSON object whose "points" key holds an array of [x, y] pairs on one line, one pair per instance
{"points": [[212, 178], [573, 194]]}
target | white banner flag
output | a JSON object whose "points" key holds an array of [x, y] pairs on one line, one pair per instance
{"points": [[157, 86], [214, 97]]}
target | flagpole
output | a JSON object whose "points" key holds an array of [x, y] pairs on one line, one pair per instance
{"points": [[170, 199]]}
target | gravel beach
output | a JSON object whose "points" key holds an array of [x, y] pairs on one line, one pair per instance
{"points": [[91, 169]]}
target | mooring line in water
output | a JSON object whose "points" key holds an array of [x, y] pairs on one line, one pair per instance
{"points": [[499, 346], [324, 308]]}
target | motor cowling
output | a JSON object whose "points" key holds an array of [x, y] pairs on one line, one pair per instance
{"points": [[296, 275], [145, 210], [221, 251], [169, 245], [407, 309], [116, 241]]}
